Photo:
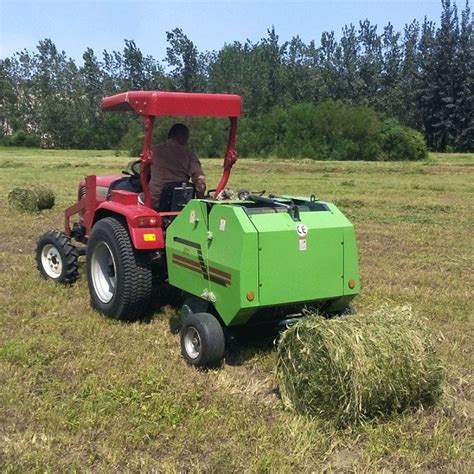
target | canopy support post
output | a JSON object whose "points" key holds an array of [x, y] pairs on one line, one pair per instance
{"points": [[230, 156], [146, 158]]}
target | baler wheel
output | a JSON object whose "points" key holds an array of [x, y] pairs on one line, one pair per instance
{"points": [[119, 276], [202, 340], [57, 257]]}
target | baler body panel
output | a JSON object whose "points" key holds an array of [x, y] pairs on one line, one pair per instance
{"points": [[351, 262], [186, 249], [294, 267], [228, 244], [234, 249], [242, 261]]}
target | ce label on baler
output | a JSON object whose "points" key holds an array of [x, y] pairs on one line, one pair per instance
{"points": [[301, 230]]}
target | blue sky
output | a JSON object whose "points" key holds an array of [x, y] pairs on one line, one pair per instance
{"points": [[74, 25]]}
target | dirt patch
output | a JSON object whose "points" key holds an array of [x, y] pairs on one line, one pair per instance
{"points": [[247, 383], [344, 459]]}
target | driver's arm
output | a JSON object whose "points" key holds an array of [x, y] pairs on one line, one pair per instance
{"points": [[197, 176]]}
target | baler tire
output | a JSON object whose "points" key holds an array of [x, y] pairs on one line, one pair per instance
{"points": [[57, 258], [128, 276], [208, 349]]}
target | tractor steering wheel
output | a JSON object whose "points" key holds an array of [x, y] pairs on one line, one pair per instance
{"points": [[133, 169]]}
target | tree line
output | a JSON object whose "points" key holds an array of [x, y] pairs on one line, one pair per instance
{"points": [[421, 78]]}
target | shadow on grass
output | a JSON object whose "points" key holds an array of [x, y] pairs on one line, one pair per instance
{"points": [[165, 296], [249, 343]]}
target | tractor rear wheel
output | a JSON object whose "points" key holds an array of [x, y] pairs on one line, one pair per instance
{"points": [[202, 340], [119, 276], [57, 257]]}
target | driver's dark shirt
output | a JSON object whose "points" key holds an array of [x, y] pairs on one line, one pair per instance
{"points": [[172, 162]]}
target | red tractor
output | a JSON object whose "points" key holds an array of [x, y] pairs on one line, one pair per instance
{"points": [[109, 209]]}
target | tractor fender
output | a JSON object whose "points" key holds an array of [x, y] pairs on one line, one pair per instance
{"points": [[144, 237]]}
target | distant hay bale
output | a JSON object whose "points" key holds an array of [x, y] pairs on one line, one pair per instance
{"points": [[354, 368], [31, 198]]}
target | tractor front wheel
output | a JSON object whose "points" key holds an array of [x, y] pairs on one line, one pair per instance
{"points": [[119, 276], [202, 340], [57, 257]]}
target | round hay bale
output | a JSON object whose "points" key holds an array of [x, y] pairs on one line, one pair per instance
{"points": [[32, 198], [350, 369]]}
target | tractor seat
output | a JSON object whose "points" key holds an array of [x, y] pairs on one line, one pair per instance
{"points": [[175, 195], [127, 183]]}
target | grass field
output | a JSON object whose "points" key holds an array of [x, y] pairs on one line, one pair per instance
{"points": [[81, 392]]}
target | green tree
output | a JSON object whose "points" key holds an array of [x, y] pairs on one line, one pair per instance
{"points": [[89, 131], [408, 81], [296, 80], [329, 60], [55, 83], [8, 114], [189, 66], [391, 92], [140, 72], [18, 101], [227, 69], [347, 63], [426, 97], [464, 106], [112, 66], [446, 79], [370, 63]]}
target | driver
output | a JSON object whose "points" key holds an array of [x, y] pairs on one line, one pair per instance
{"points": [[172, 161]]}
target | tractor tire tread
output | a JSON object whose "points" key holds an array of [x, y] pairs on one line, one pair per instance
{"points": [[135, 267], [69, 253]]}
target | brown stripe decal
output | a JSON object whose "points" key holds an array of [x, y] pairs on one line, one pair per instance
{"points": [[220, 274], [189, 267], [209, 273], [219, 281], [225, 275], [187, 261]]}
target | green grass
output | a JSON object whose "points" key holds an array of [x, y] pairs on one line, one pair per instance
{"points": [[81, 392]]}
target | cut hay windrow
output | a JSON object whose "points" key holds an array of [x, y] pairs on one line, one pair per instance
{"points": [[354, 368], [32, 198]]}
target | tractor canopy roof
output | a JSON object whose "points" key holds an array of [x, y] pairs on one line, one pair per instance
{"points": [[174, 103]]}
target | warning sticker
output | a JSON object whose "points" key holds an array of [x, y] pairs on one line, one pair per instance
{"points": [[222, 224], [302, 245]]}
